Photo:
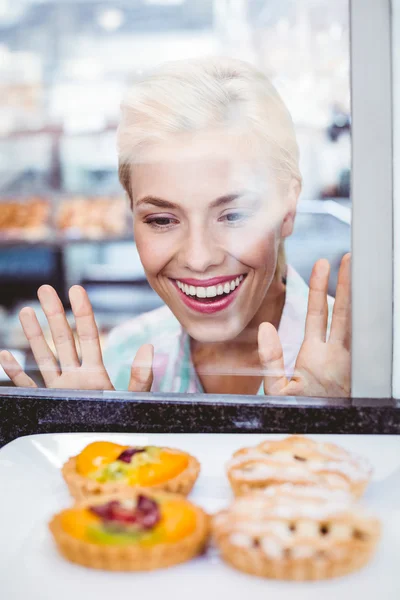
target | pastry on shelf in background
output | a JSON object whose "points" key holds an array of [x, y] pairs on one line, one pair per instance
{"points": [[93, 218], [24, 219], [105, 467], [132, 531], [294, 532], [299, 460]]}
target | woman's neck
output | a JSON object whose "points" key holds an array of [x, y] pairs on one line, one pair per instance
{"points": [[226, 367]]}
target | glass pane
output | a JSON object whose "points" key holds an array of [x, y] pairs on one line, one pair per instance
{"points": [[238, 174]]}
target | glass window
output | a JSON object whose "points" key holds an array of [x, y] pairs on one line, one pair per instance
{"points": [[239, 182]]}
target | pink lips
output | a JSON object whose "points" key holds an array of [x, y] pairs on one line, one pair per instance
{"points": [[212, 281], [209, 308]]}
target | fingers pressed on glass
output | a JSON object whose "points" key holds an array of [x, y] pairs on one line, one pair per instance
{"points": [[271, 357], [59, 326], [44, 357], [142, 370], [317, 310], [341, 317], [14, 371], [86, 327]]}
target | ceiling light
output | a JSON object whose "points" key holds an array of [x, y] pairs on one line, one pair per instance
{"points": [[111, 19]]}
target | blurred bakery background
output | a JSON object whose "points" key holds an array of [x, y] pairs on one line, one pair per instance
{"points": [[64, 65]]}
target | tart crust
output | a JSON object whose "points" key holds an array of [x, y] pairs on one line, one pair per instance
{"points": [[82, 487], [326, 465], [255, 563], [132, 557], [271, 543]]}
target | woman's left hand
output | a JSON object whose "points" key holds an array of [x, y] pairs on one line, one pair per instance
{"points": [[323, 366]]}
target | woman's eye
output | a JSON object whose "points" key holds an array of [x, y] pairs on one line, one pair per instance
{"points": [[234, 217], [161, 222]]}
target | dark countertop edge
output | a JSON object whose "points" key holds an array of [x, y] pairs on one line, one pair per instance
{"points": [[38, 411], [12, 393]]}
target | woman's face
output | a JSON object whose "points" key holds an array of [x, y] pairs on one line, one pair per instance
{"points": [[208, 219]]}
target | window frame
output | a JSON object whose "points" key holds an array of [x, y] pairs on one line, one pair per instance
{"points": [[372, 193]]}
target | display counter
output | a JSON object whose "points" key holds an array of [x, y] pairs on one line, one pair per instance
{"points": [[26, 412]]}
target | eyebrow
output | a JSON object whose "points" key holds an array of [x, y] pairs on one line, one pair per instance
{"points": [[161, 203]]}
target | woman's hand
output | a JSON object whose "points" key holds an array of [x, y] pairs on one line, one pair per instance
{"points": [[70, 372], [323, 366]]}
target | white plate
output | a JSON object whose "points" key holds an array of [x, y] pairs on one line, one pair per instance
{"points": [[32, 490]]}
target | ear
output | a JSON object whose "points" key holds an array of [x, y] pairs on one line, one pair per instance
{"points": [[293, 194]]}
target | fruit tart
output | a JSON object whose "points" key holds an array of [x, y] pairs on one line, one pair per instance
{"points": [[298, 460], [105, 468], [135, 530], [294, 532]]}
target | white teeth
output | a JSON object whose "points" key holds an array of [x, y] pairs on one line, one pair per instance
{"points": [[210, 291]]}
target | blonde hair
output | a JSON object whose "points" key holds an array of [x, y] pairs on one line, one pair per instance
{"points": [[195, 95]]}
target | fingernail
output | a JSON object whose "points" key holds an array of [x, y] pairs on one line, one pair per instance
{"points": [[45, 294], [263, 332], [322, 267], [76, 297], [26, 312]]}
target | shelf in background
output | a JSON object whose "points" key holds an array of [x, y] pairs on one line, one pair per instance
{"points": [[57, 241]]}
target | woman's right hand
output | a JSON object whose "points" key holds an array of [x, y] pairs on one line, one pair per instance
{"points": [[70, 372]]}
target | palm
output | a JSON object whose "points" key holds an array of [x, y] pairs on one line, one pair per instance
{"points": [[67, 369], [329, 374], [323, 365], [80, 379]]}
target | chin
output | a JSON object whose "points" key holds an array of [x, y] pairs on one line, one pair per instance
{"points": [[213, 333]]}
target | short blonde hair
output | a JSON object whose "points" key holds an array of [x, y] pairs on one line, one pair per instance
{"points": [[199, 94]]}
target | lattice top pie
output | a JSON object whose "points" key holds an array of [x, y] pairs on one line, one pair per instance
{"points": [[299, 460], [323, 530]]}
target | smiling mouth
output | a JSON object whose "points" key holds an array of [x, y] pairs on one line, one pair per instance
{"points": [[210, 294]]}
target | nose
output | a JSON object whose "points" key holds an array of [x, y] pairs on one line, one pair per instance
{"points": [[200, 252]]}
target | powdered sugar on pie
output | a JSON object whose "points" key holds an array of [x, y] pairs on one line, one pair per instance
{"points": [[298, 460], [291, 531]]}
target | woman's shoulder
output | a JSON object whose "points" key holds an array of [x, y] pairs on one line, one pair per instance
{"points": [[148, 328]]}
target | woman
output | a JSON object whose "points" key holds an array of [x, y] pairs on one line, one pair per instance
{"points": [[209, 160]]}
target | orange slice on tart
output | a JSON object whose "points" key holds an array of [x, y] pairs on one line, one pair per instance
{"points": [[106, 467], [130, 531]]}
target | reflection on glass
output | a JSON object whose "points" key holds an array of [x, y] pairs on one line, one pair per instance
{"points": [[216, 158]]}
